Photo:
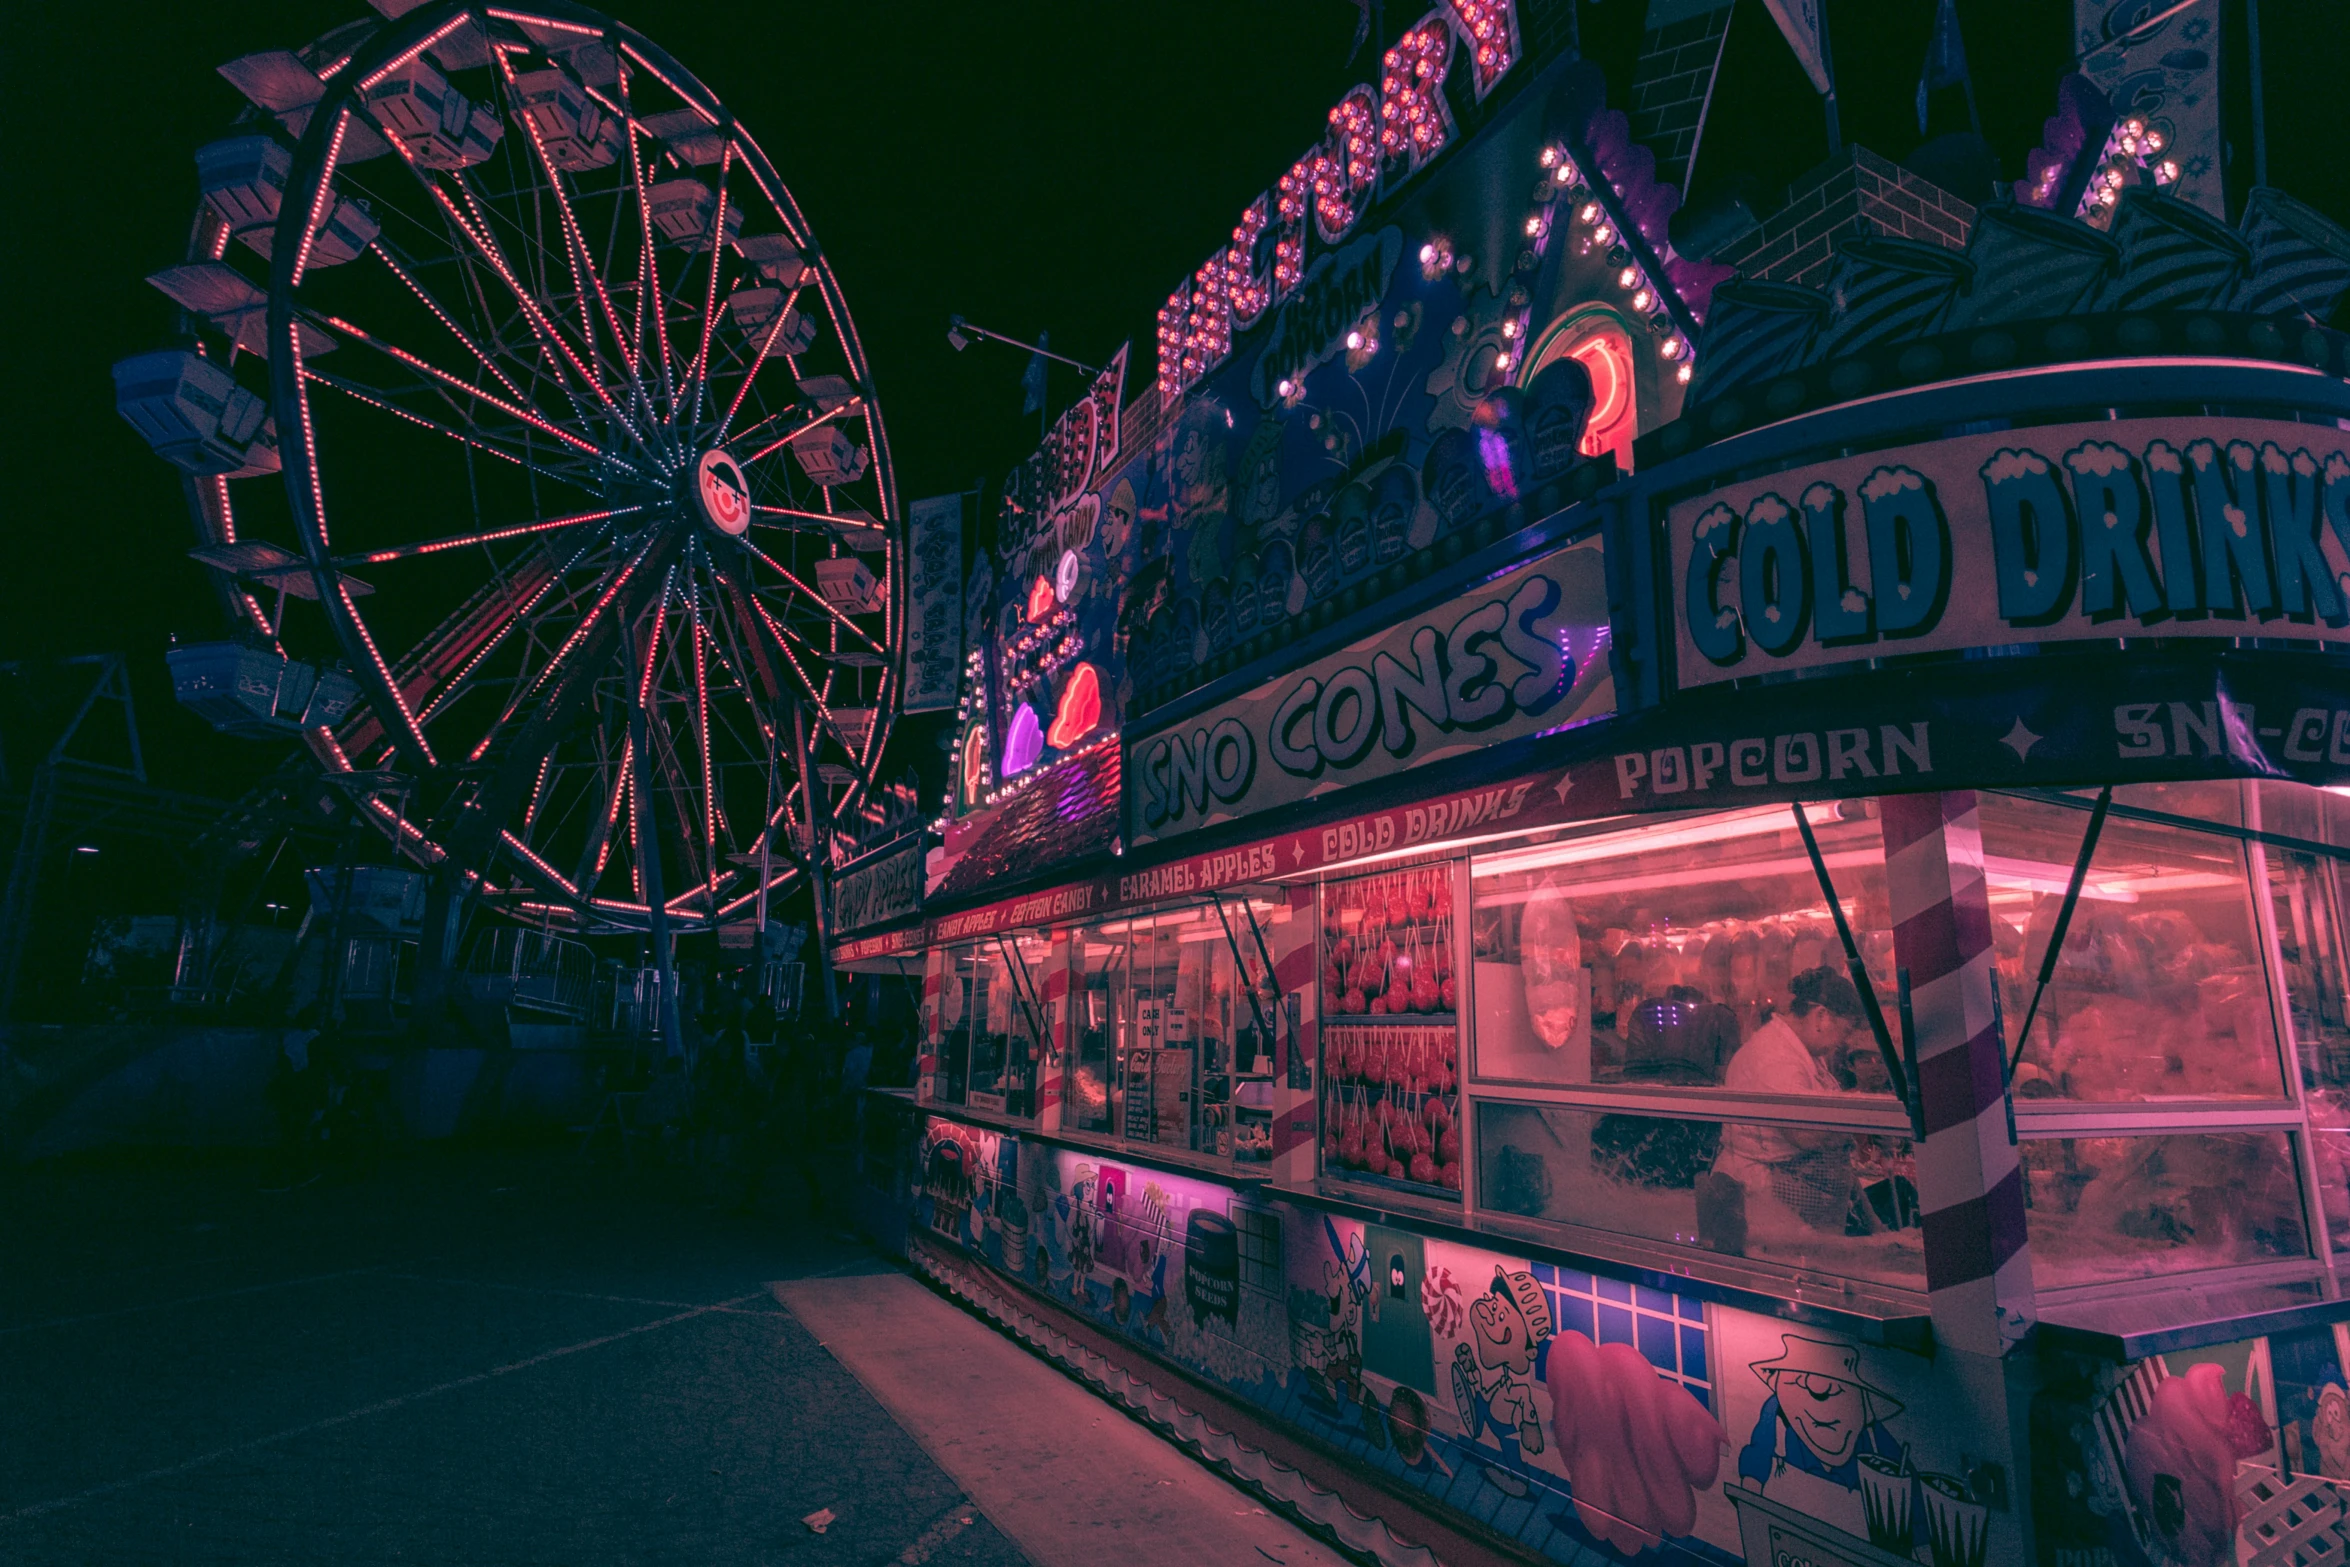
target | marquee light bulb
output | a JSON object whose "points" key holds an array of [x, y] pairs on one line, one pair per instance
{"points": [[1590, 212], [1509, 329], [1671, 348], [1602, 234], [1629, 277], [1563, 173], [1550, 156], [1501, 361], [1642, 299], [1682, 375], [1534, 225]]}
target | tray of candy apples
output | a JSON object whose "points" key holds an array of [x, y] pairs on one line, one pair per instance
{"points": [[1392, 1104], [1387, 946], [1392, 1139]]}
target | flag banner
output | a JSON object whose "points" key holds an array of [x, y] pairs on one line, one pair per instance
{"points": [[934, 604]]}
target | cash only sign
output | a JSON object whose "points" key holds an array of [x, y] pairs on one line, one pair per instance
{"points": [[1521, 654], [2175, 527]]}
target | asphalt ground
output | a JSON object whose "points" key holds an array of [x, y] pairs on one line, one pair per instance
{"points": [[456, 1356]]}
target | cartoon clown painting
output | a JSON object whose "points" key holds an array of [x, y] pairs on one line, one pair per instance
{"points": [[1821, 1419], [1508, 1324]]}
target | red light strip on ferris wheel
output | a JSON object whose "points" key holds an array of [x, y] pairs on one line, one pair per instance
{"points": [[527, 19], [511, 410], [540, 325], [644, 685], [348, 389], [612, 812], [701, 365], [853, 405], [367, 82], [434, 306], [457, 681], [375, 655], [702, 718], [814, 598], [506, 836], [460, 540], [687, 98], [758, 363], [326, 193], [578, 251]]}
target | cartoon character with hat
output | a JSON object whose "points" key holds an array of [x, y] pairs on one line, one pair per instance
{"points": [[1821, 1420], [1509, 1324]]}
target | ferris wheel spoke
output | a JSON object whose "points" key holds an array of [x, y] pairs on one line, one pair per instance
{"points": [[758, 362], [524, 690], [648, 286], [451, 382], [812, 597], [489, 536], [381, 400], [582, 261], [855, 405], [701, 369], [416, 286], [550, 338], [524, 617], [702, 736]]}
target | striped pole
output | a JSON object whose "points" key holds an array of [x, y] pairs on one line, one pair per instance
{"points": [[1297, 966], [1970, 1186], [1053, 1049]]}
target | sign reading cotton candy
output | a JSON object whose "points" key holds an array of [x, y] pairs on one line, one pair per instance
{"points": [[1637, 1447]]}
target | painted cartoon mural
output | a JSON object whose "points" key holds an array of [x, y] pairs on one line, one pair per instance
{"points": [[1593, 1419]]}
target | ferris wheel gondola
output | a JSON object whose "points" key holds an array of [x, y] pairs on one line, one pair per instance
{"points": [[516, 384]]}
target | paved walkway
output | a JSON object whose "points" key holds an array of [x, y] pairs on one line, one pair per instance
{"points": [[477, 1359]]}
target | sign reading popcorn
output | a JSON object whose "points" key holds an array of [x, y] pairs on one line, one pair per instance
{"points": [[2182, 527]]}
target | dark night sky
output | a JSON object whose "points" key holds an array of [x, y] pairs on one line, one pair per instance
{"points": [[1029, 165]]}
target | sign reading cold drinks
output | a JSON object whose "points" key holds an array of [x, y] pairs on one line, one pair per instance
{"points": [[2184, 527]]}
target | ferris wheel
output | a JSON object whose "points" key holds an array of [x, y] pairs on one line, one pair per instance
{"points": [[530, 444]]}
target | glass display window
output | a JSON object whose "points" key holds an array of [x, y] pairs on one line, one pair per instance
{"points": [[1693, 954], [991, 1044], [2108, 1209], [1834, 1201], [2159, 992], [1174, 1031], [1391, 1029], [1099, 998]]}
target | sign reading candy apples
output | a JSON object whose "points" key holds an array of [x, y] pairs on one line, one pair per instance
{"points": [[2183, 527]]}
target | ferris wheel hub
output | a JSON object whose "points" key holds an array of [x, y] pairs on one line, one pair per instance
{"points": [[720, 495]]}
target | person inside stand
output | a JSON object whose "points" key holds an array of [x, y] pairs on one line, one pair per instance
{"points": [[1796, 1178]]}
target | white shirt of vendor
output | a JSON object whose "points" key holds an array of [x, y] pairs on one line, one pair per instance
{"points": [[1773, 1061]]}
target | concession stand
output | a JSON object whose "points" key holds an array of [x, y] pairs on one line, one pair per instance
{"points": [[1720, 937]]}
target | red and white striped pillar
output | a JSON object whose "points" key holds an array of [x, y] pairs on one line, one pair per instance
{"points": [[1052, 1070], [928, 1063], [1970, 1185], [1296, 1114]]}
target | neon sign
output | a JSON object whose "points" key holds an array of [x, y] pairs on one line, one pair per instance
{"points": [[1375, 141]]}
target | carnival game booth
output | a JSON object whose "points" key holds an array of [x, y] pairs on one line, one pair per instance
{"points": [[1784, 1005]]}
